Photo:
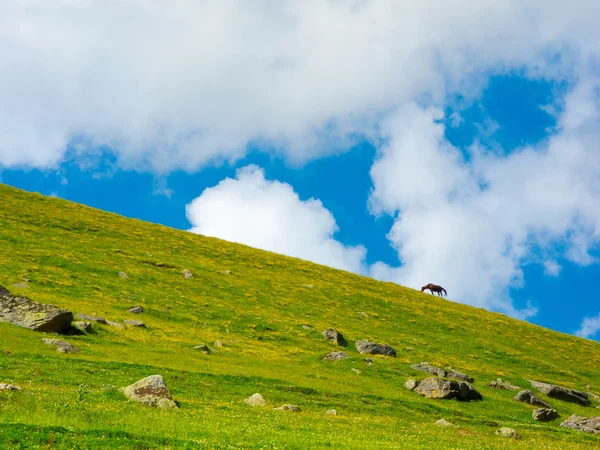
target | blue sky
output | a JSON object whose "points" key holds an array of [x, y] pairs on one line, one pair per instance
{"points": [[477, 169]]}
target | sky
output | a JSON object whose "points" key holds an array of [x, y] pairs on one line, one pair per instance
{"points": [[451, 142]]}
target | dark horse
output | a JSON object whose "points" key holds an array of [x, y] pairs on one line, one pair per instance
{"points": [[435, 288]]}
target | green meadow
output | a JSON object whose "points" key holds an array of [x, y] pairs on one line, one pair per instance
{"points": [[268, 311]]}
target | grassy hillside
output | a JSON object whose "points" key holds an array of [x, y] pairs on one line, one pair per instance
{"points": [[71, 256]]}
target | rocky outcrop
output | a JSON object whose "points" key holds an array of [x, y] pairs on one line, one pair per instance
{"points": [[335, 356], [25, 313], [335, 336], [151, 391], [61, 346], [531, 399], [544, 414], [255, 400], [435, 387], [371, 348], [508, 433], [591, 425], [561, 393], [134, 323], [499, 384], [136, 310], [288, 407], [451, 373], [426, 367]]}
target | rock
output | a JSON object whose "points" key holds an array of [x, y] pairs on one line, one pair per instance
{"points": [[335, 356], [136, 310], [591, 425], [544, 414], [356, 371], [562, 393], [308, 286], [331, 412], [411, 384], [151, 391], [114, 324], [61, 346], [371, 348], [459, 376], [25, 313], [256, 400], [426, 367], [507, 433], [187, 274], [499, 384], [369, 361], [134, 323], [226, 272], [362, 314], [204, 348], [91, 318], [528, 397], [435, 387], [288, 407], [123, 275], [21, 285], [83, 326], [335, 336], [443, 423], [9, 387]]}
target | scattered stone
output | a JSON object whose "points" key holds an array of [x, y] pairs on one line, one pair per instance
{"points": [[544, 414], [204, 349], [335, 336], [218, 344], [91, 318], [507, 433], [134, 323], [356, 371], [25, 313], [561, 393], [443, 423], [591, 425], [369, 361], [61, 346], [151, 391], [331, 412], [411, 384], [187, 274], [288, 407], [83, 326], [530, 398], [362, 314], [308, 286], [435, 387], [136, 310], [21, 285], [256, 400], [226, 272], [459, 375], [307, 327], [335, 356], [123, 275], [371, 348], [426, 367], [499, 384], [9, 387], [114, 324]]}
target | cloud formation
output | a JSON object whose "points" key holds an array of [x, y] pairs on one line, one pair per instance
{"points": [[269, 215], [589, 327]]}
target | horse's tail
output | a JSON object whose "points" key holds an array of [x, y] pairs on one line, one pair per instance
{"points": [[445, 292]]}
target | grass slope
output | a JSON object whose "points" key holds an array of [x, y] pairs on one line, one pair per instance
{"points": [[71, 254]]}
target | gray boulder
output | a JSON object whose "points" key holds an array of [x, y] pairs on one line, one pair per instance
{"points": [[288, 407], [531, 399], [83, 326], [61, 346], [134, 323], [9, 387], [561, 393], [508, 433], [25, 313], [91, 318], [459, 376], [114, 324], [443, 423], [331, 412], [335, 336], [371, 348], [435, 387], [411, 384], [136, 310], [187, 274], [426, 367], [151, 391], [255, 400], [544, 414], [499, 384], [123, 275], [335, 356], [591, 425]]}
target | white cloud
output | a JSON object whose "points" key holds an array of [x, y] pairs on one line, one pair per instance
{"points": [[589, 327], [552, 268], [176, 85], [269, 215]]}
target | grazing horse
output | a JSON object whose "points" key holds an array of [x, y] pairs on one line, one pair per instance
{"points": [[435, 288]]}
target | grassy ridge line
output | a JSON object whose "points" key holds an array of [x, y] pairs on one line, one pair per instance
{"points": [[72, 253]]}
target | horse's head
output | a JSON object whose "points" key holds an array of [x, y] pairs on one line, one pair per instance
{"points": [[423, 288]]}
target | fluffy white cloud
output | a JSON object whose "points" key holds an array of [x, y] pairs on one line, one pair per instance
{"points": [[589, 327], [269, 215], [170, 85]]}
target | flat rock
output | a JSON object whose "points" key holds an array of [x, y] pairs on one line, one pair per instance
{"points": [[61, 346], [587, 425], [91, 318], [362, 314], [451, 373], [204, 349], [255, 400], [335, 336], [308, 286], [288, 407], [544, 414], [134, 323], [136, 310], [187, 274], [26, 313], [561, 393], [371, 348], [356, 371], [83, 326], [443, 423], [151, 391], [331, 412], [411, 384], [335, 356], [426, 367], [508, 433], [123, 275], [9, 387], [499, 384], [226, 272], [114, 324], [435, 387], [531, 399]]}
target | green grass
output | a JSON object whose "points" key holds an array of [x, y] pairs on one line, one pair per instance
{"points": [[71, 255]]}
